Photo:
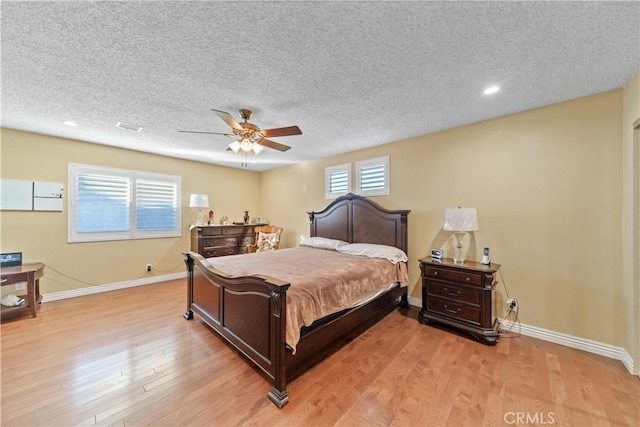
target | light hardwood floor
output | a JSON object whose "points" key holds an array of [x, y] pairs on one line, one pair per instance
{"points": [[129, 358]]}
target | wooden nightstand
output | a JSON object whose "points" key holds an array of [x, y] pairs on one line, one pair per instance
{"points": [[459, 296]]}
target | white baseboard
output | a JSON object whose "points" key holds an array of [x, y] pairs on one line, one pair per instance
{"points": [[595, 347], [110, 287], [416, 302]]}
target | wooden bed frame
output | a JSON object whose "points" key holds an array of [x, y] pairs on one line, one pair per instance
{"points": [[249, 312]]}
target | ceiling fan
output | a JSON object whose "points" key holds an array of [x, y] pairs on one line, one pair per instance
{"points": [[251, 137]]}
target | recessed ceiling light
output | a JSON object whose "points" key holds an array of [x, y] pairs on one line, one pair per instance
{"points": [[491, 89], [70, 123]]}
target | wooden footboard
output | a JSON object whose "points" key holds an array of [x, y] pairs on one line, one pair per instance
{"points": [[249, 312]]}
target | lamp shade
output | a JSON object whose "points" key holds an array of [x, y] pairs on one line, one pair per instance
{"points": [[257, 148], [199, 201], [460, 219], [235, 146]]}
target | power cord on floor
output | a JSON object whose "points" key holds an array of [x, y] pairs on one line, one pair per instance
{"points": [[514, 312], [146, 274]]}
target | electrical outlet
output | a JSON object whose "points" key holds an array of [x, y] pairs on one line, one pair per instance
{"points": [[19, 287], [512, 303], [148, 267]]}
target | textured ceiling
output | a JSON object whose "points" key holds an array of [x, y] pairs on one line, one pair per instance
{"points": [[349, 74]]}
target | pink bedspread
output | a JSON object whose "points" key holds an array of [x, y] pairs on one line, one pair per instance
{"points": [[322, 281]]}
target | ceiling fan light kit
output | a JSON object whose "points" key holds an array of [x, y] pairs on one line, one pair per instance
{"points": [[251, 138]]}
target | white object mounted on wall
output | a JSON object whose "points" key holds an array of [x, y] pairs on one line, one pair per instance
{"points": [[18, 195]]}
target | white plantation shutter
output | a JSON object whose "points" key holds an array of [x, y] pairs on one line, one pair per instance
{"points": [[337, 181], [102, 203], [119, 204], [156, 203], [372, 177]]}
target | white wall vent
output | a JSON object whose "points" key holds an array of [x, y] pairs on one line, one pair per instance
{"points": [[129, 126]]}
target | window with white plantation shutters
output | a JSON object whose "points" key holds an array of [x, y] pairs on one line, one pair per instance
{"points": [[337, 180], [372, 177], [118, 204]]}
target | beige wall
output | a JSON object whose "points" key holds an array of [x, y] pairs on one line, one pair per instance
{"points": [[42, 236], [547, 187], [631, 217], [546, 183]]}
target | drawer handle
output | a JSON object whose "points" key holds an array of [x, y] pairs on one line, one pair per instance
{"points": [[435, 273], [468, 279], [446, 291], [4, 280], [456, 311]]}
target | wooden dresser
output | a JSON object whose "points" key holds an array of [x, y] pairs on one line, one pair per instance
{"points": [[220, 240], [459, 296]]}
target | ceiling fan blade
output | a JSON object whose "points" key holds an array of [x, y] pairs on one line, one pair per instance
{"points": [[273, 144], [290, 130], [208, 133], [228, 118]]}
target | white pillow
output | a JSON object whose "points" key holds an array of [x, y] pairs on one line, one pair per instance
{"points": [[394, 255], [322, 243]]}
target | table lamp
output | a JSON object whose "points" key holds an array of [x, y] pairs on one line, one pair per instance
{"points": [[199, 201], [460, 220]]}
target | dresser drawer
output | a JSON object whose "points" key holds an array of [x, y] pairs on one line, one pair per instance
{"points": [[465, 277], [454, 310], [235, 231], [210, 242], [245, 240], [214, 252], [460, 294], [210, 231]]}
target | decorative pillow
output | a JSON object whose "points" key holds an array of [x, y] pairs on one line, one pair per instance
{"points": [[394, 255], [322, 243], [266, 241]]}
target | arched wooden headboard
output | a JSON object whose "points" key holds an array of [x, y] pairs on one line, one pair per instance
{"points": [[355, 219]]}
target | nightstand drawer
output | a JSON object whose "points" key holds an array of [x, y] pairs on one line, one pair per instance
{"points": [[454, 310], [213, 252], [465, 277], [458, 293]]}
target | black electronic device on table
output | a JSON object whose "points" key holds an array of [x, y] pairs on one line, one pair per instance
{"points": [[11, 259]]}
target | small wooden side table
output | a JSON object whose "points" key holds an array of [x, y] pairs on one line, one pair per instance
{"points": [[30, 273], [459, 296]]}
